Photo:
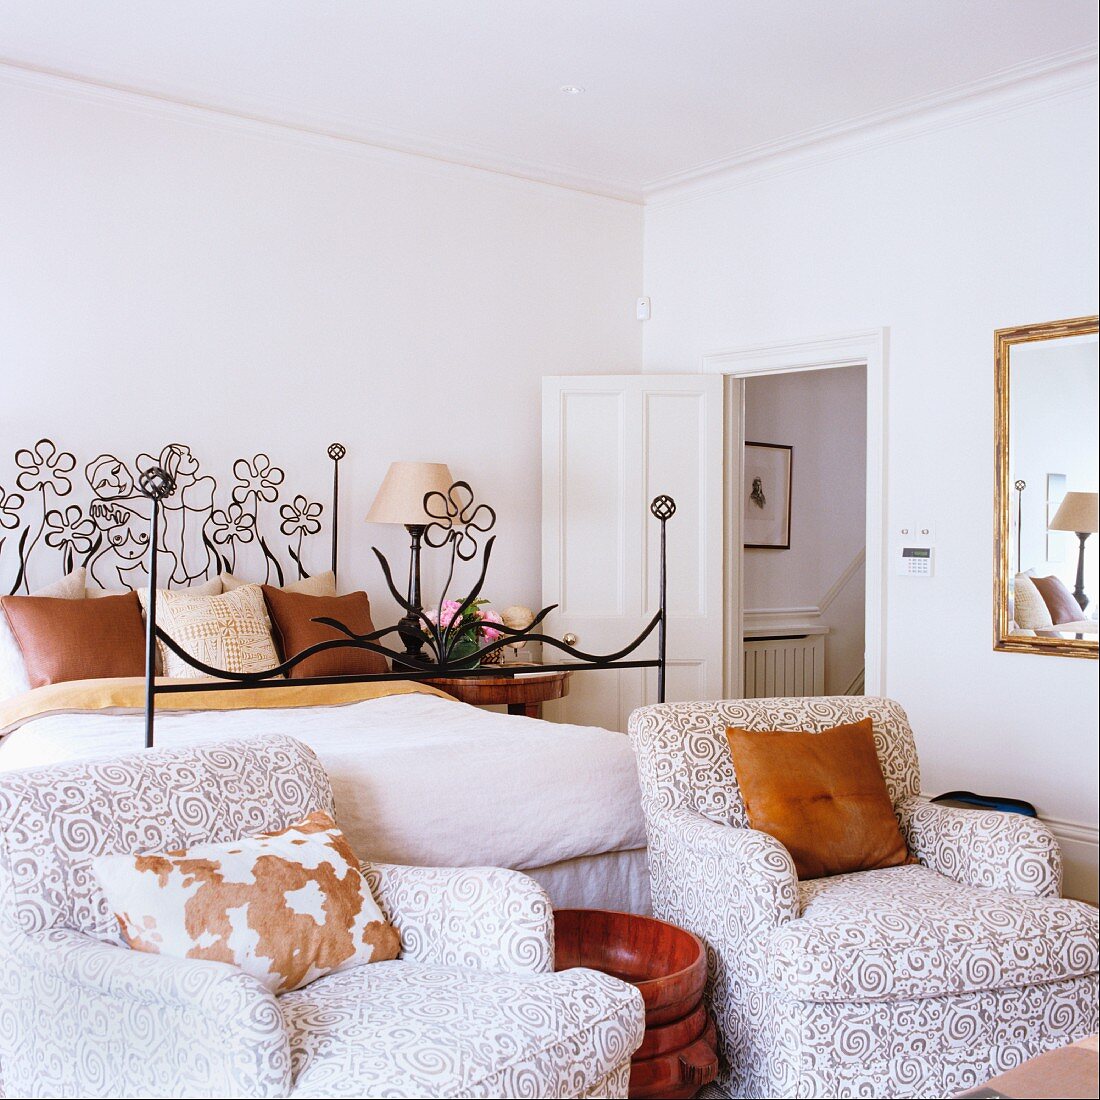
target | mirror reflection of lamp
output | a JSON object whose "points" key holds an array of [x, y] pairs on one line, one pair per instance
{"points": [[1077, 513]]}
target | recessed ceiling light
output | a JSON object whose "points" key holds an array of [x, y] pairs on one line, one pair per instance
{"points": [[571, 89]]}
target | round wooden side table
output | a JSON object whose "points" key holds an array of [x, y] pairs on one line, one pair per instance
{"points": [[523, 694]]}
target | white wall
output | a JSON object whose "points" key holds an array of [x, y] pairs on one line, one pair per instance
{"points": [[167, 275], [942, 238], [823, 415]]}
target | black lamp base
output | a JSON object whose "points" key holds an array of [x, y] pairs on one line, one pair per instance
{"points": [[411, 628], [411, 632]]}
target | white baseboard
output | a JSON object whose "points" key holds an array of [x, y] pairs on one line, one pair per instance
{"points": [[1075, 831]]}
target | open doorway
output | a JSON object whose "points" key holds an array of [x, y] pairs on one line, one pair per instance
{"points": [[866, 349], [802, 552]]}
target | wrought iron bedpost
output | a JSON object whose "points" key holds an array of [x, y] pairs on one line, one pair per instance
{"points": [[156, 483], [664, 508], [336, 451]]}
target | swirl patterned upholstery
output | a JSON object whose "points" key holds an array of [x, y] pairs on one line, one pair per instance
{"points": [[471, 1008], [920, 980]]}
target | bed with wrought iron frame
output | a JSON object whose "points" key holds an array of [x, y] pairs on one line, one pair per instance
{"points": [[456, 523]]}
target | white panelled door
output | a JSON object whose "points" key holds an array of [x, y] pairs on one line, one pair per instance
{"points": [[610, 444]]}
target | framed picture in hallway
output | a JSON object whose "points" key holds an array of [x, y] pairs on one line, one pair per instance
{"points": [[767, 523]]}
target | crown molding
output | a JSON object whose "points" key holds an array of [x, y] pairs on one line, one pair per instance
{"points": [[1051, 77], [337, 133], [1045, 78]]}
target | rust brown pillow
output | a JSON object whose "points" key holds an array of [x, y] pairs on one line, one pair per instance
{"points": [[77, 639], [822, 796], [291, 618], [1059, 599]]}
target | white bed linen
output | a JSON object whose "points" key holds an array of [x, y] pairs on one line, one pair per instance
{"points": [[613, 880], [418, 779]]}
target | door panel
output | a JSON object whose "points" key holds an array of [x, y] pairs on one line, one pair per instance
{"points": [[610, 444], [593, 507]]}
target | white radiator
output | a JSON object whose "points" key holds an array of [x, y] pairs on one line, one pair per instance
{"points": [[793, 665]]}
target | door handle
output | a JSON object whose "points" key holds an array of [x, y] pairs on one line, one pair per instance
{"points": [[570, 639]]}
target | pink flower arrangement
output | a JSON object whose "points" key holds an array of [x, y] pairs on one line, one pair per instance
{"points": [[488, 634], [446, 617]]}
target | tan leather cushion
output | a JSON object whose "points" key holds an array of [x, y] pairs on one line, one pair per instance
{"points": [[13, 670], [822, 796], [291, 619], [1059, 599], [77, 639]]}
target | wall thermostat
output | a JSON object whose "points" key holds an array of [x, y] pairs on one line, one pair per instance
{"points": [[916, 561]]}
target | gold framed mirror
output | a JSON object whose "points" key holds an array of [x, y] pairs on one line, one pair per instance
{"points": [[1046, 583]]}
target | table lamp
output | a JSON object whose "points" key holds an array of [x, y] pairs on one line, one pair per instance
{"points": [[1077, 513], [400, 499]]}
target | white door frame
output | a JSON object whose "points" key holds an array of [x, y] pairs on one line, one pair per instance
{"points": [[867, 348]]}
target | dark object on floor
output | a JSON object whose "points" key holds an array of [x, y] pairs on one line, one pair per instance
{"points": [[669, 965], [968, 800]]}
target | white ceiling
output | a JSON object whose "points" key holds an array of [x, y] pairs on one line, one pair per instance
{"points": [[671, 86]]}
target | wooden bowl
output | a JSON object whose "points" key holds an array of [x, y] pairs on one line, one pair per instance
{"points": [[666, 963], [671, 1038], [677, 1074]]}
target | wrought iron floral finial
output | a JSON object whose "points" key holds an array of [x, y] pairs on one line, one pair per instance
{"points": [[336, 451], [455, 517]]}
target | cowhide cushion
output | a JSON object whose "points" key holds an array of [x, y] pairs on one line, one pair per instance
{"points": [[286, 907]]}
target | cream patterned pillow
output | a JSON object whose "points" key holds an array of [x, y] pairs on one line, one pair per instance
{"points": [[286, 907], [207, 588], [230, 632], [1029, 609]]}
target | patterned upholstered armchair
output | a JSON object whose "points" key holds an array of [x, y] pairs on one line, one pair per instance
{"points": [[471, 1008], [910, 981]]}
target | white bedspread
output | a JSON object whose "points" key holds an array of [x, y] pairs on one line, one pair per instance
{"points": [[418, 779]]}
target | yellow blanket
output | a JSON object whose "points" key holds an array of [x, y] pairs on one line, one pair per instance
{"points": [[123, 695]]}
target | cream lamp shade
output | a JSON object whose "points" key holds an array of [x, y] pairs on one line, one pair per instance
{"points": [[400, 498], [1077, 512]]}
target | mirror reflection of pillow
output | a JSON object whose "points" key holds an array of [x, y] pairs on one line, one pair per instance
{"points": [[1028, 607], [1059, 601]]}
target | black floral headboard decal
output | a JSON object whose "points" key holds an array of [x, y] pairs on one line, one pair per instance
{"points": [[57, 513]]}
